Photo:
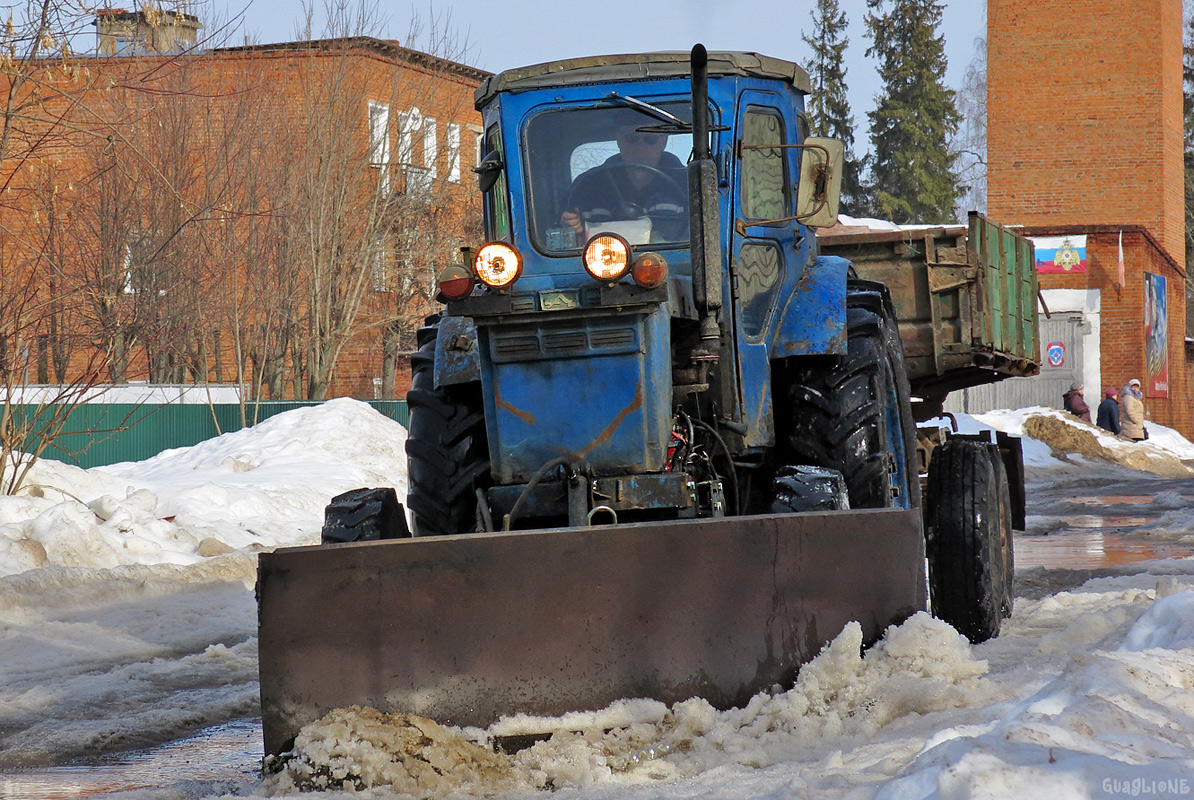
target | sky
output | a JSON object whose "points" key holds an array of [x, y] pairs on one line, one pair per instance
{"points": [[127, 619], [506, 35]]}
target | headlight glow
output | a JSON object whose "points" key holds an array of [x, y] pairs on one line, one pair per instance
{"points": [[607, 257], [498, 265]]}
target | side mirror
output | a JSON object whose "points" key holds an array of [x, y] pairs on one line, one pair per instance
{"points": [[820, 182], [489, 171]]}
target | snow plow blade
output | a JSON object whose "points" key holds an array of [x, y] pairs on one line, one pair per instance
{"points": [[467, 629]]}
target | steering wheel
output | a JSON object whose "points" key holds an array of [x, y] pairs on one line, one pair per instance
{"points": [[626, 209]]}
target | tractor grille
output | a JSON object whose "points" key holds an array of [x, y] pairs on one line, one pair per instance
{"points": [[527, 345]]}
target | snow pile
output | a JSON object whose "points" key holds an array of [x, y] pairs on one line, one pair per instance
{"points": [[258, 488], [920, 667], [1053, 438], [127, 615], [356, 748], [1111, 720]]}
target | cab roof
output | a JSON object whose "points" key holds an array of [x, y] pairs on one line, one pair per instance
{"points": [[637, 66]]}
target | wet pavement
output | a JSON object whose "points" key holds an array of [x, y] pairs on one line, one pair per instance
{"points": [[1103, 520], [223, 756]]}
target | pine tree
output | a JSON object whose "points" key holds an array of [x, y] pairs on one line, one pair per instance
{"points": [[828, 109], [912, 177]]}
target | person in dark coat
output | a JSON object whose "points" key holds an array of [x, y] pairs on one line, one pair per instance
{"points": [[1108, 417], [1075, 403]]}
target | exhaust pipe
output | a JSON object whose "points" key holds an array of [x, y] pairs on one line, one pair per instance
{"points": [[702, 203]]}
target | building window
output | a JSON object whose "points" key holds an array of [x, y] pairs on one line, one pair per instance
{"points": [[382, 258], [408, 123], [478, 143], [379, 142], [430, 145], [453, 152], [126, 272]]}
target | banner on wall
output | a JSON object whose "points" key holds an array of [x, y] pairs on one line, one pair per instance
{"points": [[1060, 254], [1156, 337]]}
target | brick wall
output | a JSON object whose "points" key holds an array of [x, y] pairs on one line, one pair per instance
{"points": [[1122, 340], [278, 81], [1084, 136], [1084, 105]]}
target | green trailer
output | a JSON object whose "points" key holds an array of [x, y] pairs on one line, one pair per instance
{"points": [[964, 296]]}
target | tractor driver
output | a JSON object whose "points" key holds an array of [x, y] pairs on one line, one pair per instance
{"points": [[640, 180]]}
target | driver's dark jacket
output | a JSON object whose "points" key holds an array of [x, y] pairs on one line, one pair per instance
{"points": [[598, 201]]}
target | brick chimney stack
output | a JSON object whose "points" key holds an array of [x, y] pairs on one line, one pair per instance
{"points": [[1084, 115]]}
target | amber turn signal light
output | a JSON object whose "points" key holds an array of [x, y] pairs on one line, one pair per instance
{"points": [[455, 282], [649, 270]]}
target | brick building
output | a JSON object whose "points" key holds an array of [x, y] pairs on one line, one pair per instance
{"points": [[269, 215], [1084, 146]]}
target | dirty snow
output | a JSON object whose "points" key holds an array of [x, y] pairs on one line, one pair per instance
{"points": [[127, 620]]}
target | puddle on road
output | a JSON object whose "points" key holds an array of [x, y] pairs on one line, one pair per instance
{"points": [[1092, 542], [230, 752], [1112, 500]]}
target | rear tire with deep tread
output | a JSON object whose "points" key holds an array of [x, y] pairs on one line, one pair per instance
{"points": [[446, 446], [854, 413], [967, 534]]}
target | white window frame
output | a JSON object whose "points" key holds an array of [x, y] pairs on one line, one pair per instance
{"points": [[408, 122], [381, 257], [379, 142], [430, 146], [478, 141], [453, 152]]}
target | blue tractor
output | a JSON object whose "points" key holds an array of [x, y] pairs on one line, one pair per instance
{"points": [[680, 349], [659, 445]]}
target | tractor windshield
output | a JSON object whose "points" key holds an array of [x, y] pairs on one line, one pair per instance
{"points": [[612, 169]]}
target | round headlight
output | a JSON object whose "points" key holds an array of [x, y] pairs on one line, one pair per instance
{"points": [[607, 257], [497, 265]]}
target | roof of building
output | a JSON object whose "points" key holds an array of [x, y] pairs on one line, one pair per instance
{"points": [[384, 47], [638, 66]]}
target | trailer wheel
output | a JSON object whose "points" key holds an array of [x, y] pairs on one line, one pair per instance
{"points": [[968, 538], [364, 515], [853, 413], [446, 448], [1007, 548]]}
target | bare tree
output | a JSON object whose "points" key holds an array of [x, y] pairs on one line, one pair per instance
{"points": [[370, 182], [73, 191], [970, 141]]}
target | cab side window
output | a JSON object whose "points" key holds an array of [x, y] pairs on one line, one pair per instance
{"points": [[764, 169]]}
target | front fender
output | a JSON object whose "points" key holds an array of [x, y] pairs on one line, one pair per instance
{"points": [[456, 357], [813, 321]]}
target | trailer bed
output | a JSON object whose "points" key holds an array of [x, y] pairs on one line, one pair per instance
{"points": [[965, 298]]}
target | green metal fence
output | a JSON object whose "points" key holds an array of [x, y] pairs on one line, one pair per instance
{"points": [[96, 434]]}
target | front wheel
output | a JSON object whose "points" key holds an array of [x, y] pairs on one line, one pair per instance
{"points": [[853, 413], [446, 447]]}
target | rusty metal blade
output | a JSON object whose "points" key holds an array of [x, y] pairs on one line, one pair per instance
{"points": [[466, 629]]}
